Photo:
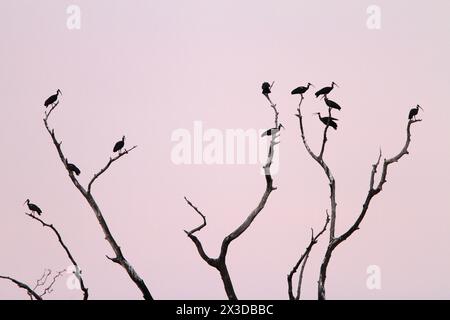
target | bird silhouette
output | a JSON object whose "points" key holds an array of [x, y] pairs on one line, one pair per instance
{"points": [[272, 131], [266, 90], [33, 208], [52, 99], [413, 112], [119, 145], [72, 168], [328, 121], [301, 90], [326, 90], [332, 104]]}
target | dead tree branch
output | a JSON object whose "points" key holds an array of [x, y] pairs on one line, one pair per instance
{"points": [[219, 263], [68, 253], [119, 256], [335, 241], [302, 261], [373, 191], [30, 292]]}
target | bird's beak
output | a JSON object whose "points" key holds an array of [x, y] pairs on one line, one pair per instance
{"points": [[420, 108], [25, 202], [312, 85], [282, 126], [336, 85]]}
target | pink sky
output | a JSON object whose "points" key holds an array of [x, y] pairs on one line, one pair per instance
{"points": [[148, 68]]}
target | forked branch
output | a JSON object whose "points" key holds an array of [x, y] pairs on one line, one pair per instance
{"points": [[119, 257], [302, 261], [219, 263]]}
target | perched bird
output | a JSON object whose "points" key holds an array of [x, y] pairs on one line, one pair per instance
{"points": [[272, 131], [33, 208], [326, 90], [413, 112], [119, 145], [52, 99], [72, 168], [266, 88], [301, 90], [332, 104], [328, 121]]}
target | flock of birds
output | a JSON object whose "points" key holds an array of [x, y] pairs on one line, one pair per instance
{"points": [[327, 121], [72, 168], [266, 90]]}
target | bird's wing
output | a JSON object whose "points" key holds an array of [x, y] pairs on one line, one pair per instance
{"points": [[296, 90]]}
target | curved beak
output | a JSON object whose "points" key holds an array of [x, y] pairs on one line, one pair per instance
{"points": [[25, 202], [336, 84], [311, 85], [281, 126], [420, 107]]}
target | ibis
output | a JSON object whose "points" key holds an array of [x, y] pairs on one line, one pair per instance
{"points": [[33, 208], [413, 112], [301, 90], [72, 168], [266, 89], [119, 145], [332, 104], [272, 131], [328, 121], [52, 99], [326, 90]]}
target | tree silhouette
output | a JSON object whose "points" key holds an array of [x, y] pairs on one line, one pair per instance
{"points": [[374, 189], [87, 194], [219, 263]]}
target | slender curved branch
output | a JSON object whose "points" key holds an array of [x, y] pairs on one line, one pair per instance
{"points": [[24, 286], [220, 262], [302, 261], [319, 159], [111, 160], [69, 254], [374, 191], [119, 257], [200, 227]]}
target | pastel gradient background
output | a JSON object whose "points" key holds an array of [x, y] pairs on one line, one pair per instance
{"points": [[146, 68]]}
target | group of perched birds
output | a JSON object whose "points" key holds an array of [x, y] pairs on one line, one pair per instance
{"points": [[328, 121], [72, 168]]}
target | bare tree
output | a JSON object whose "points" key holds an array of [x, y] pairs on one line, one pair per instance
{"points": [[334, 240], [87, 194], [219, 263]]}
